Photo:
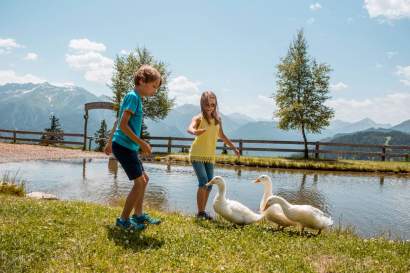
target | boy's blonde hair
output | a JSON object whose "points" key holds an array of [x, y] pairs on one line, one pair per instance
{"points": [[147, 73]]}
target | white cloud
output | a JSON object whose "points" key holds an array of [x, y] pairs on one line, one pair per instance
{"points": [[260, 108], [85, 45], [338, 86], [389, 9], [310, 20], [404, 72], [391, 54], [124, 52], [7, 45], [394, 108], [316, 6], [9, 76], [184, 90], [31, 56], [85, 56]]}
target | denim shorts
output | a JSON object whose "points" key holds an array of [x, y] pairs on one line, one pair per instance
{"points": [[204, 172], [129, 160]]}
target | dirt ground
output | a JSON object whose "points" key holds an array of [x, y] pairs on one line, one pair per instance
{"points": [[22, 152]]}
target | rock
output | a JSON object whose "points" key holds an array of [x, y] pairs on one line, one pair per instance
{"points": [[42, 195]]}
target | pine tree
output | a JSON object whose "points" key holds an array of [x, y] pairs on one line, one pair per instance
{"points": [[55, 127], [302, 89], [101, 136]]}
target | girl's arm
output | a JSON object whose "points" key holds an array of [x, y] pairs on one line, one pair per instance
{"points": [[192, 128], [108, 146], [227, 141], [125, 128]]}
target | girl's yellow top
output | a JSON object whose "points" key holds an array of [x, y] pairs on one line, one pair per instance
{"points": [[204, 146]]}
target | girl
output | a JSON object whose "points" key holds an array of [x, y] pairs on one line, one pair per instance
{"points": [[207, 128]]}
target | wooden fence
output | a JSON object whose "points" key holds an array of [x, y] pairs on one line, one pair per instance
{"points": [[382, 152], [14, 137], [314, 148]]}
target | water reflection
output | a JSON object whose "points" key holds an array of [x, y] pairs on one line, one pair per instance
{"points": [[305, 195]]}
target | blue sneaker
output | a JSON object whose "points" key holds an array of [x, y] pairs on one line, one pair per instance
{"points": [[129, 224], [145, 219], [123, 223]]}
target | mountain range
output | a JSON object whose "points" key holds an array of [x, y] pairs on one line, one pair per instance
{"points": [[28, 107]]}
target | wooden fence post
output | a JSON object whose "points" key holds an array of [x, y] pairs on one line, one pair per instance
{"points": [[317, 146], [240, 146], [169, 145], [14, 136], [384, 153]]}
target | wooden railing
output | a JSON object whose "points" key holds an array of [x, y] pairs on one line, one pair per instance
{"points": [[381, 152], [14, 137], [314, 148]]}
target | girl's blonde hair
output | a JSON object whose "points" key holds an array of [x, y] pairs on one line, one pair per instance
{"points": [[204, 102]]}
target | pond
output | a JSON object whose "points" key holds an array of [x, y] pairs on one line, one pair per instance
{"points": [[372, 205]]}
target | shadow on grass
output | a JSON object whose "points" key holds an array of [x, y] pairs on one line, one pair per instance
{"points": [[135, 240]]}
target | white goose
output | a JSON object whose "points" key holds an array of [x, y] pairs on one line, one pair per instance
{"points": [[303, 215], [274, 213], [232, 211]]}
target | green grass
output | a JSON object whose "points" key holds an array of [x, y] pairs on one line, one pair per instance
{"points": [[12, 184], [311, 164], [63, 236]]}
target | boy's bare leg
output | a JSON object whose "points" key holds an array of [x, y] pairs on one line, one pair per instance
{"points": [[140, 196], [133, 196]]}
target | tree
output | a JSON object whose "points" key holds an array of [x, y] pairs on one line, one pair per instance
{"points": [[55, 127], [302, 89], [101, 136], [156, 107]]}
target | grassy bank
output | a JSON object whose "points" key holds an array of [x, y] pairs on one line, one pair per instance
{"points": [[62, 236], [12, 184], [311, 164]]}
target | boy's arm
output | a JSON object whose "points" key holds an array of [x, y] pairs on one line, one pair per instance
{"points": [[125, 128], [108, 146], [227, 141]]}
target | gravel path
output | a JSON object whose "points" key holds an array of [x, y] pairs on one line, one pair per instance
{"points": [[21, 152]]}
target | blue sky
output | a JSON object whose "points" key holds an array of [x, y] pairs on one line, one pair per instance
{"points": [[231, 47]]}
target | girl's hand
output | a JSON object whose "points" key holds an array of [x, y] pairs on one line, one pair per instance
{"points": [[108, 148], [145, 148], [237, 152], [199, 132]]}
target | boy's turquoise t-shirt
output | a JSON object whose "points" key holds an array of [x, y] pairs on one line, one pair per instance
{"points": [[132, 102]]}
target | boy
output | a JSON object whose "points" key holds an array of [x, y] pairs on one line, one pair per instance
{"points": [[125, 142]]}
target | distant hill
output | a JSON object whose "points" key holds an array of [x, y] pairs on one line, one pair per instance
{"points": [[370, 136], [403, 127], [28, 107]]}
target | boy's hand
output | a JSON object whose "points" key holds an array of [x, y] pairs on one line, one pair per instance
{"points": [[199, 132], [145, 148], [108, 148]]}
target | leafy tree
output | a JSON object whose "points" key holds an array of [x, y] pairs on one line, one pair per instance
{"points": [[101, 136], [156, 107], [302, 89], [55, 127]]}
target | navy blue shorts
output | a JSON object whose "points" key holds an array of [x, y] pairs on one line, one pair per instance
{"points": [[129, 161]]}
